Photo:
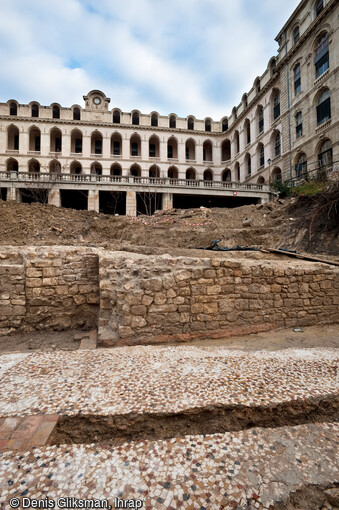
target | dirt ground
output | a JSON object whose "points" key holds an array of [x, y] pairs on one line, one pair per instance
{"points": [[280, 224], [310, 337]]}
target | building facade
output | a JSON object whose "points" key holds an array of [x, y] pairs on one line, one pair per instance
{"points": [[96, 157]]}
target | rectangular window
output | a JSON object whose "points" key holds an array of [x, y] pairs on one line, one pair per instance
{"points": [[187, 153], [299, 125], [16, 142], [78, 145], [170, 151], [116, 148], [134, 149], [297, 80]]}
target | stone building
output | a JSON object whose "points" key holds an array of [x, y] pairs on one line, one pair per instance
{"points": [[98, 157]]}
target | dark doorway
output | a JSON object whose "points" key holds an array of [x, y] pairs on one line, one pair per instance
{"points": [[29, 196], [112, 202], [148, 203], [195, 201], [74, 199], [3, 193]]}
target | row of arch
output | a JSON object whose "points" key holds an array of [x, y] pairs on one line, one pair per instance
{"points": [[54, 166]]}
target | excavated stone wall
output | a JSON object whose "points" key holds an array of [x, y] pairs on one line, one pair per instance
{"points": [[135, 298], [48, 288], [159, 299]]}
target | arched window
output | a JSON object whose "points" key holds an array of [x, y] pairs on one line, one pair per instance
{"points": [[261, 119], [13, 109], [56, 112], [237, 171], [319, 5], [34, 139], [276, 174], [154, 171], [276, 105], [13, 138], [154, 147], [76, 141], [236, 142], [172, 122], [12, 165], [207, 151], [297, 79], [116, 142], [321, 55], [249, 164], [208, 125], [135, 145], [135, 170], [154, 119], [323, 107], [190, 174], [208, 175], [33, 166], [190, 150], [296, 34], [96, 168], [301, 166], [277, 145], [325, 154], [135, 118], [172, 172], [261, 180], [224, 124], [247, 132], [257, 85], [76, 113], [226, 175], [190, 123], [298, 125], [262, 156], [116, 117], [35, 110], [225, 150], [55, 167], [55, 140], [76, 168], [172, 148], [116, 169], [96, 143], [234, 113]]}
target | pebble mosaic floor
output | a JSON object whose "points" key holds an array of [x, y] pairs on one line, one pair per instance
{"points": [[244, 470], [160, 379], [249, 469]]}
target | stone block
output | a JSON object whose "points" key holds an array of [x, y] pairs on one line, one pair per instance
{"points": [[138, 322], [139, 310], [33, 282]]}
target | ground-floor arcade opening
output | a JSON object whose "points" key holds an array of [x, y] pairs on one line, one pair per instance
{"points": [[30, 195], [74, 199], [112, 202], [181, 201], [148, 203], [3, 194]]}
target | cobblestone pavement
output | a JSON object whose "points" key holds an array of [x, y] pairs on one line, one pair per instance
{"points": [[248, 469]]}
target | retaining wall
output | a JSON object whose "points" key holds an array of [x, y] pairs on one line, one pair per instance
{"points": [[48, 288], [163, 298], [135, 298]]}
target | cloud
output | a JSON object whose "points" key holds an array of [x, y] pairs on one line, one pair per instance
{"points": [[194, 57]]}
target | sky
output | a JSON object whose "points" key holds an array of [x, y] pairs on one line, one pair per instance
{"points": [[171, 56]]}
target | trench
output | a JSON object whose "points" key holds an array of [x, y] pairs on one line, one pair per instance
{"points": [[309, 497], [91, 428]]}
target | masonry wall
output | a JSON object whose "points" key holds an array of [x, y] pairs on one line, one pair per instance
{"points": [[175, 299], [48, 289], [135, 298]]}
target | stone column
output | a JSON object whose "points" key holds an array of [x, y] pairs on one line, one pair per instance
{"points": [[131, 203], [54, 197], [93, 200], [11, 194], [167, 201]]}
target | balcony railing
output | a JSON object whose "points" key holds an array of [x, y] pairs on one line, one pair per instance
{"points": [[155, 182]]}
